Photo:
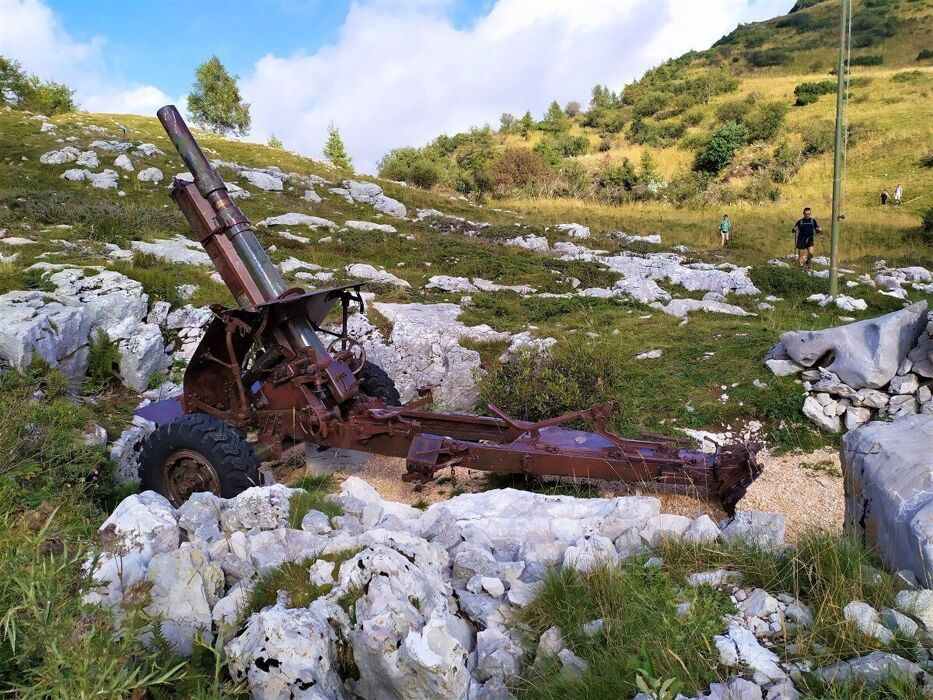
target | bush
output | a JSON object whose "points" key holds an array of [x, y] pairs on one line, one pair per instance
{"points": [[874, 28], [908, 76], [867, 60], [24, 91], [652, 133], [817, 138], [925, 54], [765, 120], [732, 111], [926, 226], [519, 169], [926, 159], [808, 93], [768, 57], [720, 149], [605, 143], [103, 365], [799, 21], [416, 166], [617, 175], [686, 187]]}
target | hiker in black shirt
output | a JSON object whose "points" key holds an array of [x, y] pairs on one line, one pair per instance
{"points": [[804, 231]]}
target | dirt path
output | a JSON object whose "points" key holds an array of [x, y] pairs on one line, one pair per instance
{"points": [[806, 488]]}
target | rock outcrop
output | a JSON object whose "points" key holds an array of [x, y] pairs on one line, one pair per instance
{"points": [[888, 470]]}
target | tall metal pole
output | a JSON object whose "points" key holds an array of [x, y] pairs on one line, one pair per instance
{"points": [[837, 154]]}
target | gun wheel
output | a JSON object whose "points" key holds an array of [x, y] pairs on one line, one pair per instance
{"points": [[186, 472], [194, 453]]}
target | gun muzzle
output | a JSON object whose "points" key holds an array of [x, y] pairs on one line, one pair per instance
{"points": [[206, 179]]}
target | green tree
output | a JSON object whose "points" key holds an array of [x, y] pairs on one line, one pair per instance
{"points": [[554, 119], [24, 91], [274, 142], [525, 125], [507, 123], [335, 151], [215, 103], [13, 81]]}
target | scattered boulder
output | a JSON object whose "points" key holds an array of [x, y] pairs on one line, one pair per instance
{"points": [[153, 175], [263, 180], [864, 354], [175, 250]]}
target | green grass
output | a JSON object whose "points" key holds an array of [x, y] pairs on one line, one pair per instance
{"points": [[315, 488], [823, 570], [293, 580], [642, 633]]}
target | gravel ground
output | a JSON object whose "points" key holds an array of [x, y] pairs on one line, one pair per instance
{"points": [[806, 488]]}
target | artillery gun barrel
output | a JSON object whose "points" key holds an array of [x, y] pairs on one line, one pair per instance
{"points": [[237, 228]]}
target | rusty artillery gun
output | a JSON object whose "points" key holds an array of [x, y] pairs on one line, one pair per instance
{"points": [[263, 368]]}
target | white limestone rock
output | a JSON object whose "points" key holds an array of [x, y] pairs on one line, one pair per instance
{"points": [[574, 230], [153, 175], [140, 527], [530, 241], [369, 226], [123, 162], [866, 354], [368, 272], [174, 250], [184, 587], [590, 551], [888, 478], [287, 653], [263, 180], [765, 529], [680, 308], [297, 219]]}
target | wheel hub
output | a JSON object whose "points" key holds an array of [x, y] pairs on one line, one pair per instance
{"points": [[185, 472]]}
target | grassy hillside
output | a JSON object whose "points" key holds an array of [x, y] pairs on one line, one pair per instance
{"points": [[784, 162]]}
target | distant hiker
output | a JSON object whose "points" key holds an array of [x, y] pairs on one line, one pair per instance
{"points": [[804, 231], [884, 197], [725, 229], [898, 194]]}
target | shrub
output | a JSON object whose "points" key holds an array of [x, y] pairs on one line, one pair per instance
{"points": [[418, 166], [926, 159], [765, 120], [907, 76], [572, 109], [926, 226], [869, 29], [720, 149], [519, 169], [925, 54], [817, 138], [867, 60], [652, 133], [686, 187], [762, 58], [732, 111], [103, 365], [25, 91], [617, 175], [808, 93], [605, 143]]}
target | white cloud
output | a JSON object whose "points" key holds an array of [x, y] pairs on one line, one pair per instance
{"points": [[401, 73], [32, 34]]}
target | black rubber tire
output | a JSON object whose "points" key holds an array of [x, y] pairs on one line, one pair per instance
{"points": [[219, 443], [376, 383]]}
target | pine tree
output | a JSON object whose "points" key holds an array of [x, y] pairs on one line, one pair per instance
{"points": [[526, 124], [274, 142], [215, 102], [554, 119], [335, 151]]}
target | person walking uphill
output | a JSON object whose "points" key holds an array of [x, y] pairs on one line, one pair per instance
{"points": [[804, 231], [725, 229], [898, 194]]}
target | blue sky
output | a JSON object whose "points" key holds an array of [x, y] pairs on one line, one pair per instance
{"points": [[388, 73]]}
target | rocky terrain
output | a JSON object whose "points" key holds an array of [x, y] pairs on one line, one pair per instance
{"points": [[535, 313]]}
